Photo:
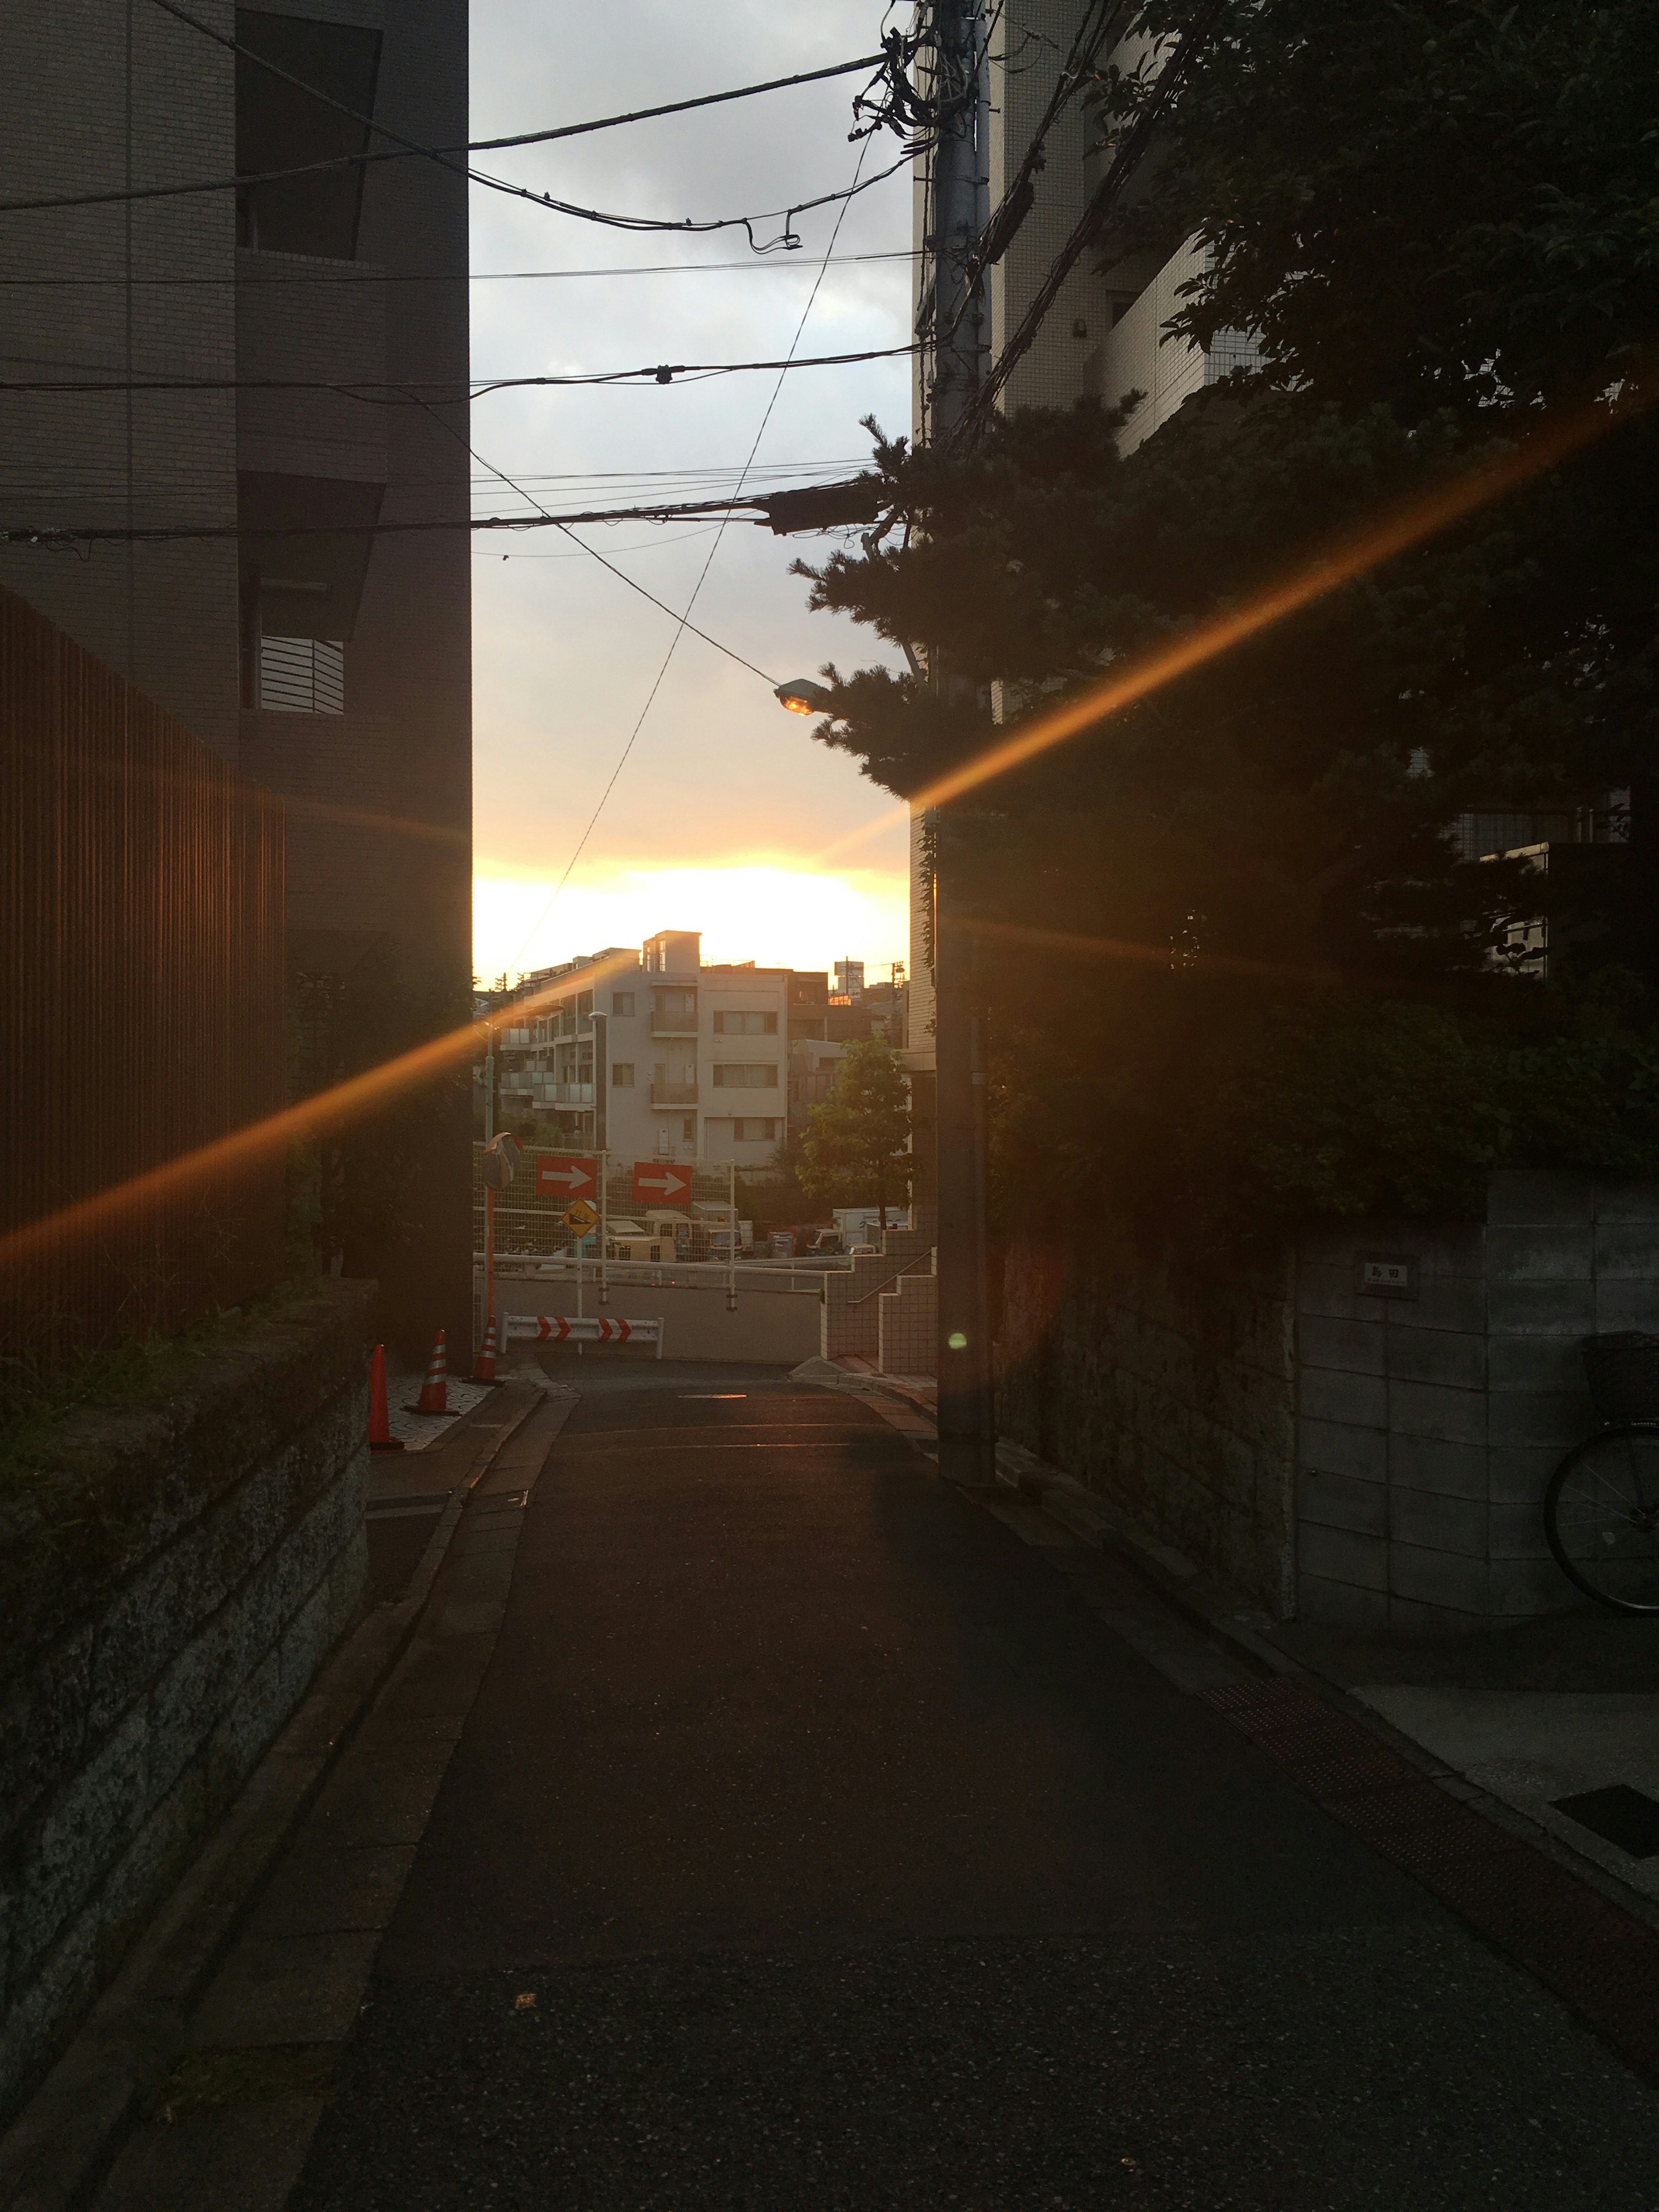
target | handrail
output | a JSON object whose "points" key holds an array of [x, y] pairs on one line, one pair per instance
{"points": [[904, 1270]]}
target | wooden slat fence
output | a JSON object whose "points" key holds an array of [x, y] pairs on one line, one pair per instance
{"points": [[141, 1004]]}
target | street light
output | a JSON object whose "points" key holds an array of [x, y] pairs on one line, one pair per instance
{"points": [[801, 696]]}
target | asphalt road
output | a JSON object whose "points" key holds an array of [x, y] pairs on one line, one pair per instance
{"points": [[813, 1843]]}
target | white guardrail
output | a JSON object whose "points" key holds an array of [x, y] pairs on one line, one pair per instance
{"points": [[580, 1328], [776, 1276]]}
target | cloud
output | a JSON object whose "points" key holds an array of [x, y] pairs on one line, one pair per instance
{"points": [[565, 654]]}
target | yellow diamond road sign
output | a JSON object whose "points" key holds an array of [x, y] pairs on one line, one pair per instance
{"points": [[581, 1215]]}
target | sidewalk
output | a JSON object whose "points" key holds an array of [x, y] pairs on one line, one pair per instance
{"points": [[1563, 1709], [1560, 1709]]}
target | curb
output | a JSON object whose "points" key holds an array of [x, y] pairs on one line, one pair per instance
{"points": [[1566, 1921], [62, 2144]]}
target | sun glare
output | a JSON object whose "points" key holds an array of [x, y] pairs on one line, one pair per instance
{"points": [[774, 915]]}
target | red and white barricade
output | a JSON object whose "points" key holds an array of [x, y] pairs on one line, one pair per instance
{"points": [[580, 1328]]}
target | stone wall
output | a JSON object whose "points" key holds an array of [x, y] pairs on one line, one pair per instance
{"points": [[170, 1576], [1434, 1408], [1164, 1381]]}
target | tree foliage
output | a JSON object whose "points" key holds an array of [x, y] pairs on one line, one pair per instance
{"points": [[1441, 222], [854, 1149]]}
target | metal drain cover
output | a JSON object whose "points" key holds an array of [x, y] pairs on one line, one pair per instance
{"points": [[1628, 1819]]}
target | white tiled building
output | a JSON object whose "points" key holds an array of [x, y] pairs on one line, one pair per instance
{"points": [[1105, 333], [654, 1055]]}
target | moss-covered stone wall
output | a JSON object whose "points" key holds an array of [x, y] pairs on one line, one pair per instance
{"points": [[172, 1573]]}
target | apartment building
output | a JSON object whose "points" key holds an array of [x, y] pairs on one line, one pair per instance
{"points": [[297, 624], [657, 1054], [1104, 336]]}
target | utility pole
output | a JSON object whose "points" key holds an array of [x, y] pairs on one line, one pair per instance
{"points": [[954, 313]]}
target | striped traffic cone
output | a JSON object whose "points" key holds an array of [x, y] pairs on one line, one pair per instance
{"points": [[381, 1437], [484, 1367], [434, 1391]]}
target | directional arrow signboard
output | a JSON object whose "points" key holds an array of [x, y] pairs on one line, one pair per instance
{"points": [[658, 1182], [556, 1176]]}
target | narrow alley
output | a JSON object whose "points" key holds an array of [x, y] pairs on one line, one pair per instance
{"points": [[814, 1840]]}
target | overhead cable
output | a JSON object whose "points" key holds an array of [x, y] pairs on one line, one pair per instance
{"points": [[501, 476], [49, 534], [1101, 17], [426, 393], [1130, 150], [702, 577], [403, 149], [244, 282]]}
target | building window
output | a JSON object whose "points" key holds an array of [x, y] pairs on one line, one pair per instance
{"points": [[622, 1075], [282, 125], [689, 1128], [621, 1002], [749, 1131], [302, 675], [745, 1025], [746, 1075]]}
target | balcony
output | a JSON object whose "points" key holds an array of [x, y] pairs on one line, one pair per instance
{"points": [[673, 1025], [673, 1094]]}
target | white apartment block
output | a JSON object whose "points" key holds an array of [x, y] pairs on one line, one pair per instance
{"points": [[654, 1055]]}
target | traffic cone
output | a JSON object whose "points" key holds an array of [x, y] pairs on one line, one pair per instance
{"points": [[434, 1391], [484, 1367], [381, 1437]]}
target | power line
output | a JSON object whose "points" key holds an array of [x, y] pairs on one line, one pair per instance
{"points": [[645, 545], [411, 394], [529, 137], [685, 619], [48, 534], [456, 276], [1017, 200], [461, 436], [403, 149], [1125, 158]]}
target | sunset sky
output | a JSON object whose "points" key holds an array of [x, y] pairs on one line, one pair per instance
{"points": [[726, 816]]}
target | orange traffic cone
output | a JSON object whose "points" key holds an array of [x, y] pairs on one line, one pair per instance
{"points": [[381, 1437], [434, 1391], [484, 1367]]}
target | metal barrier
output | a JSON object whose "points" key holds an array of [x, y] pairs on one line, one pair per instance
{"points": [[581, 1328], [773, 1276]]}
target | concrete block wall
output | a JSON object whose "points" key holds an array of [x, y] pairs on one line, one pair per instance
{"points": [[850, 1319], [1428, 1426], [907, 1327], [170, 1581], [1165, 1383]]}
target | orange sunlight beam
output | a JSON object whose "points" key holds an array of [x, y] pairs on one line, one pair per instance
{"points": [[360, 1094], [1341, 565], [1409, 525]]}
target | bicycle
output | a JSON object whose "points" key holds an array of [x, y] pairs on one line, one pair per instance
{"points": [[1601, 1508]]}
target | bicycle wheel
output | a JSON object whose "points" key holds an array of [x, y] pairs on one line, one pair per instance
{"points": [[1602, 1518]]}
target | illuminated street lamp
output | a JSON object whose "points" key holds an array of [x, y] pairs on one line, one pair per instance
{"points": [[801, 696]]}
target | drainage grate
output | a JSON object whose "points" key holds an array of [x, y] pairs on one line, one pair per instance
{"points": [[1625, 1818], [1602, 1960]]}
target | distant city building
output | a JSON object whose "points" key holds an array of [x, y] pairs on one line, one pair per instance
{"points": [[656, 1054], [849, 979]]}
